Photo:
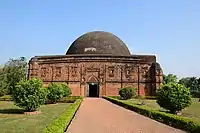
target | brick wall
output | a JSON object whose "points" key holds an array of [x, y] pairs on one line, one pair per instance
{"points": [[111, 73]]}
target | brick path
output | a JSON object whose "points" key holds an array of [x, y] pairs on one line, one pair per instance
{"points": [[97, 115]]}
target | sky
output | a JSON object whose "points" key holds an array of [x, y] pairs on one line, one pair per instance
{"points": [[170, 29]]}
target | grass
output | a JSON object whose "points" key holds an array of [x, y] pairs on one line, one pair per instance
{"points": [[12, 119], [60, 124], [190, 112]]}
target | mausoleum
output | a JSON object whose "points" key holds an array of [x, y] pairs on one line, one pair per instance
{"points": [[98, 63]]}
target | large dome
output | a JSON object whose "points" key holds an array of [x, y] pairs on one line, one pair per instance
{"points": [[99, 42]]}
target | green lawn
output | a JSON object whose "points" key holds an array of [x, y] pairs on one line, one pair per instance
{"points": [[12, 120], [192, 112]]}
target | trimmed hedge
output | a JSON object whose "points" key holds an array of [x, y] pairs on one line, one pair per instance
{"points": [[6, 98], [169, 119], [138, 97], [60, 124], [116, 97], [70, 99]]}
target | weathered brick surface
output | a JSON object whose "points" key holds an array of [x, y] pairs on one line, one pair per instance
{"points": [[111, 72], [97, 115]]}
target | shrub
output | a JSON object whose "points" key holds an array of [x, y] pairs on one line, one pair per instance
{"points": [[1, 93], [56, 91], [29, 94], [169, 119], [3, 89], [3, 84], [66, 90], [173, 97], [60, 124], [127, 93]]}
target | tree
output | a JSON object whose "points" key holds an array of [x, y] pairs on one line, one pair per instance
{"points": [[127, 93], [198, 84], [170, 78], [29, 94], [14, 71], [193, 84], [173, 97], [185, 81], [3, 83]]}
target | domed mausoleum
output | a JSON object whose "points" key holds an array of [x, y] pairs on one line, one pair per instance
{"points": [[98, 63], [99, 42]]}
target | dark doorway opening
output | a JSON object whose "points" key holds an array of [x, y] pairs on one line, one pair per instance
{"points": [[93, 90]]}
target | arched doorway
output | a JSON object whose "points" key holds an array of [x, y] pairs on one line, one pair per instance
{"points": [[93, 90], [93, 87]]}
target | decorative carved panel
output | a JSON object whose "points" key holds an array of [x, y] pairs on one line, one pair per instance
{"points": [[58, 72], [144, 73], [93, 79], [128, 72], [43, 72], [74, 71], [33, 73], [111, 71]]}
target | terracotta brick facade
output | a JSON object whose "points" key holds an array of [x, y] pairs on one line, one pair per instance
{"points": [[109, 72]]}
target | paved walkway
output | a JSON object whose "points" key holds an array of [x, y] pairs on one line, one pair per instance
{"points": [[97, 115]]}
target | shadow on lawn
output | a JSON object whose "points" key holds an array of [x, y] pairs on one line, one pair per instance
{"points": [[11, 111]]}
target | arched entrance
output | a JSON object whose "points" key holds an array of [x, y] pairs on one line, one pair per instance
{"points": [[93, 87], [93, 90]]}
